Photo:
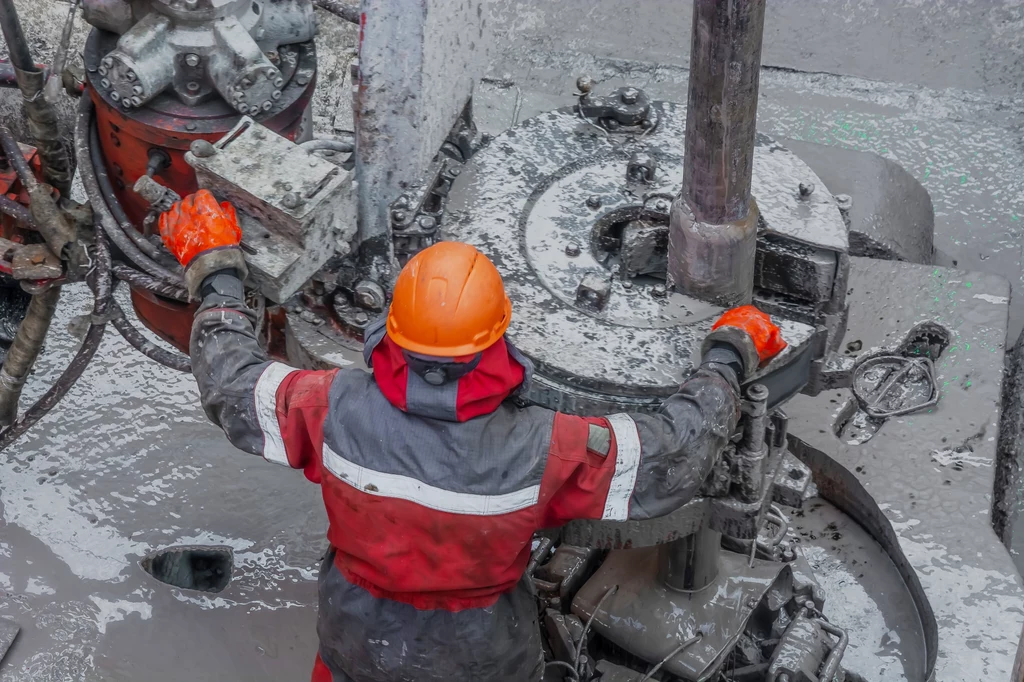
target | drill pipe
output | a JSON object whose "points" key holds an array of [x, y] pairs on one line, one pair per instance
{"points": [[713, 230]]}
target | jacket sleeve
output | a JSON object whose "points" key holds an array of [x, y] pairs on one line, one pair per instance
{"points": [[266, 408], [639, 466]]}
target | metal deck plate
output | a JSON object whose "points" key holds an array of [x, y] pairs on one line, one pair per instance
{"points": [[932, 473]]}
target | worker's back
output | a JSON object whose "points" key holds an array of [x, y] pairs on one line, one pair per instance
{"points": [[425, 509]]}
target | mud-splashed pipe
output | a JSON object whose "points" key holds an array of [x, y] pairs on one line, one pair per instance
{"points": [[24, 351]]}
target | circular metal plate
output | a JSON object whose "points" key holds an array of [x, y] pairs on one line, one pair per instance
{"points": [[536, 193]]}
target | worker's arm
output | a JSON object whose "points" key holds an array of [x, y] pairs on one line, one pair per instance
{"points": [[641, 466], [265, 408]]}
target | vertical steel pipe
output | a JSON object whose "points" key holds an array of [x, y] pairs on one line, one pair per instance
{"points": [[714, 220], [690, 563]]}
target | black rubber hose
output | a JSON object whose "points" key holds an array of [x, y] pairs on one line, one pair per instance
{"points": [[17, 45], [16, 159], [339, 8], [24, 351], [107, 189], [141, 280], [12, 208], [100, 283], [140, 343], [83, 153]]}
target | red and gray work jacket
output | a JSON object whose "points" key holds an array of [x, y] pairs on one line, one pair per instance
{"points": [[434, 492]]}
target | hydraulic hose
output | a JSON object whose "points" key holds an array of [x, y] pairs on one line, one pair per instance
{"points": [[106, 220], [100, 283], [12, 208], [140, 343], [141, 280], [43, 120], [339, 8], [24, 351]]}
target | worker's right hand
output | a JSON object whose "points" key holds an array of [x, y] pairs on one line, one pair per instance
{"points": [[751, 333], [198, 224]]}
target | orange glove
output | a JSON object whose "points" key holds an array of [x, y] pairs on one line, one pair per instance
{"points": [[197, 224], [759, 327]]}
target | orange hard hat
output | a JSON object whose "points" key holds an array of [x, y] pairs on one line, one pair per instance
{"points": [[449, 301]]}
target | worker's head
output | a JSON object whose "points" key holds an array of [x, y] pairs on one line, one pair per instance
{"points": [[449, 302]]}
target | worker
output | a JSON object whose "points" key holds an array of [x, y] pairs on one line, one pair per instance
{"points": [[434, 481]]}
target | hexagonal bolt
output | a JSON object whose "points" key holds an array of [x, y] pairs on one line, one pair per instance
{"points": [[661, 205], [572, 249], [594, 201], [108, 62], [243, 108], [806, 190], [106, 84], [593, 291], [630, 95], [398, 216], [103, 71], [116, 96], [427, 222], [659, 291], [193, 60], [369, 295], [276, 95], [137, 90], [126, 103], [136, 101], [844, 202], [267, 105], [131, 76], [291, 200], [641, 168], [278, 82], [202, 149]]}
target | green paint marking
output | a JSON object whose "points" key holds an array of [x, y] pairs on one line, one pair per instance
{"points": [[963, 179], [968, 285]]}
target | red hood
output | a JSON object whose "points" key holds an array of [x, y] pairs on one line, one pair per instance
{"points": [[501, 371]]}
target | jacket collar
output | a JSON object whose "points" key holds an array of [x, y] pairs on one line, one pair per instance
{"points": [[502, 372]]}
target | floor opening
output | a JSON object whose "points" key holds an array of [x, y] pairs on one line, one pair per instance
{"points": [[207, 569]]}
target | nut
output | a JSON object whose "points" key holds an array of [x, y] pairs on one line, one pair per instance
{"points": [[659, 291], [630, 95], [192, 60]]}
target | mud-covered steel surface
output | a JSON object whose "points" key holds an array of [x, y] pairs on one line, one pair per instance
{"points": [[418, 65], [556, 181], [649, 619], [932, 473]]}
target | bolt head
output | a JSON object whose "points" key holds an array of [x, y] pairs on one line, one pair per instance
{"points": [[572, 249], [246, 83], [291, 200], [844, 201], [202, 149], [594, 201], [630, 95], [612, 125], [661, 205], [427, 222], [806, 190], [398, 216], [192, 60], [108, 62], [276, 95], [190, 126], [243, 108], [584, 84], [103, 71], [751, 603], [126, 103], [647, 124], [131, 75], [136, 101], [191, 4], [116, 96], [278, 82], [137, 90], [105, 83], [659, 291], [361, 318]]}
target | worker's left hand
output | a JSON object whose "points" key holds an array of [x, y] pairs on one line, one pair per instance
{"points": [[198, 224]]}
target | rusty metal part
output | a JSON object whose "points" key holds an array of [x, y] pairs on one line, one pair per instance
{"points": [[35, 262], [714, 220], [168, 124], [54, 226], [21, 356]]}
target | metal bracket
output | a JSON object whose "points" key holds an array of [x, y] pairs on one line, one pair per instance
{"points": [[626, 110], [416, 215]]}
